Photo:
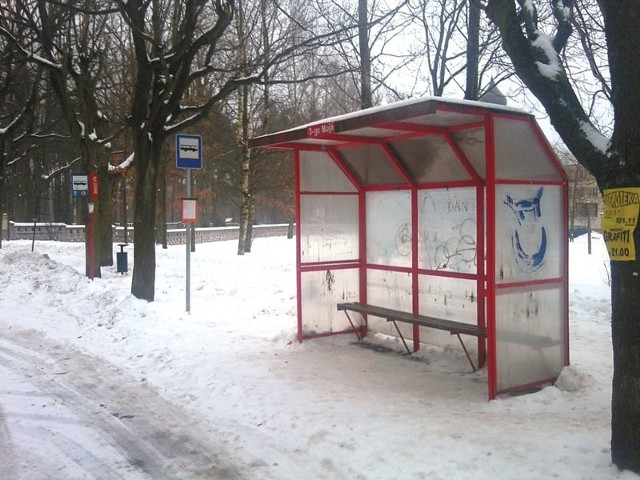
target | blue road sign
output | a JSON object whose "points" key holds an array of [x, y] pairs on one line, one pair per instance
{"points": [[188, 151]]}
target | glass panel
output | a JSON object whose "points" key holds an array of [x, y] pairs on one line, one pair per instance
{"points": [[430, 159], [319, 173], [448, 229], [320, 293], [519, 154], [530, 341], [372, 165], [472, 143], [328, 228], [529, 233], [452, 299], [389, 228], [390, 290]]}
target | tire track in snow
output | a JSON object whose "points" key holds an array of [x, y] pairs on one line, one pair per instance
{"points": [[7, 455], [154, 438]]}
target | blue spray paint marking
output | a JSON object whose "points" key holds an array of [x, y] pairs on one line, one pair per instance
{"points": [[528, 212]]}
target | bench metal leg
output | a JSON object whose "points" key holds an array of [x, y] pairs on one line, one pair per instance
{"points": [[355, 329], [465, 350], [401, 336]]}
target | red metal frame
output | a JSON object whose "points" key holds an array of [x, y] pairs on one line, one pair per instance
{"points": [[415, 276], [296, 163], [490, 149]]}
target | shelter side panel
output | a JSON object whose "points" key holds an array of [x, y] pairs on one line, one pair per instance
{"points": [[329, 228], [322, 290], [530, 342], [519, 153]]}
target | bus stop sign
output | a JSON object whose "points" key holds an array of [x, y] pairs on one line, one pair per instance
{"points": [[188, 151]]}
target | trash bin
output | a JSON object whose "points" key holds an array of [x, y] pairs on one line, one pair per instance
{"points": [[121, 259]]}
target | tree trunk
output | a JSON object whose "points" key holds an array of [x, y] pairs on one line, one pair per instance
{"points": [[623, 37], [625, 403], [366, 96], [104, 215], [161, 220], [473, 50], [144, 272], [248, 240], [92, 206], [245, 205], [242, 138], [2, 183]]}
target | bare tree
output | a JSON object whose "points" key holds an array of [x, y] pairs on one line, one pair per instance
{"points": [[69, 45], [457, 49], [614, 162], [176, 45], [371, 52], [18, 93]]}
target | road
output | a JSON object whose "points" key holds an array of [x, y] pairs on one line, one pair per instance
{"points": [[67, 415]]}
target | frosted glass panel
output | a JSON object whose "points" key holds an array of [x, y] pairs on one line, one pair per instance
{"points": [[321, 292], [372, 166], [472, 143], [529, 233], [519, 154], [430, 159], [450, 298], [530, 342], [328, 228], [319, 173], [448, 229], [390, 290], [389, 228]]}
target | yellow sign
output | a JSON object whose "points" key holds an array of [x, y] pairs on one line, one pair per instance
{"points": [[621, 207]]}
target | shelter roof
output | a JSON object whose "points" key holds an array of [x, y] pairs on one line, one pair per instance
{"points": [[387, 122]]}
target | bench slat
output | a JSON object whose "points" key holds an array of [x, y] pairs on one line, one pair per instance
{"points": [[423, 320]]}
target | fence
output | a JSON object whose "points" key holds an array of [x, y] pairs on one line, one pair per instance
{"points": [[75, 233]]}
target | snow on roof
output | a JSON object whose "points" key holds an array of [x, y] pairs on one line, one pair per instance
{"points": [[385, 114]]}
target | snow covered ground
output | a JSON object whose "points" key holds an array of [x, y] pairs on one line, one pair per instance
{"points": [[97, 384]]}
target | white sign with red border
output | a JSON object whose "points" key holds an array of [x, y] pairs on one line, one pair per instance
{"points": [[189, 210]]}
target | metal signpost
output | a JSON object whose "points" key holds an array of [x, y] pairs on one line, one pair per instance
{"points": [[188, 157], [86, 186]]}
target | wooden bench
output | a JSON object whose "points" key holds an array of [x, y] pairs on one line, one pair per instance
{"points": [[453, 327]]}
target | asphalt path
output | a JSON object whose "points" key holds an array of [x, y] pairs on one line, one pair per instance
{"points": [[68, 415]]}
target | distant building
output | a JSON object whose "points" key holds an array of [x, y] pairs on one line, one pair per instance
{"points": [[493, 95], [585, 201]]}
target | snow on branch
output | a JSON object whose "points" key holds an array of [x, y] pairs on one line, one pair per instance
{"points": [[121, 167], [30, 55], [552, 68], [600, 142], [5, 130], [48, 177]]}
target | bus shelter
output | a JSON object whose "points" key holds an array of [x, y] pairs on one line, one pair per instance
{"points": [[438, 208]]}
